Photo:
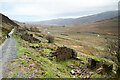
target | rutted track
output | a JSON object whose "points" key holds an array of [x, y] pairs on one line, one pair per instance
{"points": [[8, 52]]}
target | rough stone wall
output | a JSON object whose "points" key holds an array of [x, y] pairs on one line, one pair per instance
{"points": [[63, 53], [30, 38]]}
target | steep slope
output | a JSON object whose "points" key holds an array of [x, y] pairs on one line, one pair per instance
{"points": [[70, 21], [6, 25]]}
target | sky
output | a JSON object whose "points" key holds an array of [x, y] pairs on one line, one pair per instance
{"points": [[38, 10]]}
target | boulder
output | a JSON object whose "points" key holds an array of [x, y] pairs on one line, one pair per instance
{"points": [[99, 64], [91, 63], [107, 67], [63, 53]]}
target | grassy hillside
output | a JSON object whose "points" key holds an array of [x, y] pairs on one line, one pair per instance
{"points": [[5, 27]]}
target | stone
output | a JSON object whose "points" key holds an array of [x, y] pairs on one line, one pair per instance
{"points": [[107, 67], [72, 72], [77, 58], [82, 62], [81, 66], [99, 64], [40, 36], [92, 63], [99, 70], [71, 66], [79, 71], [91, 73], [63, 53]]}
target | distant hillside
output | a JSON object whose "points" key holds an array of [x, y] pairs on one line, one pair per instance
{"points": [[17, 22], [6, 26], [70, 21], [108, 26]]}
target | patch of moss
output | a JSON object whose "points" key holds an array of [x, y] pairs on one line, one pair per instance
{"points": [[83, 58], [97, 58], [43, 41], [47, 50], [33, 45]]}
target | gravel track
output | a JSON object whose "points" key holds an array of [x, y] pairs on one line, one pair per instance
{"points": [[7, 52]]}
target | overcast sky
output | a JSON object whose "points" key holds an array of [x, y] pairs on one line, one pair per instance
{"points": [[37, 10]]}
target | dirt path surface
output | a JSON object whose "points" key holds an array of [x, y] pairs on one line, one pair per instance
{"points": [[7, 52]]}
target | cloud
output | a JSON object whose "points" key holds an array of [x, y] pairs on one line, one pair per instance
{"points": [[55, 8]]}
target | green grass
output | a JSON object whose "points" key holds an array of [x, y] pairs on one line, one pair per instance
{"points": [[47, 50], [33, 45], [83, 58], [43, 41], [97, 58], [21, 50], [46, 68]]}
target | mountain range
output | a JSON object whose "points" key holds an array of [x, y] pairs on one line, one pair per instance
{"points": [[80, 20]]}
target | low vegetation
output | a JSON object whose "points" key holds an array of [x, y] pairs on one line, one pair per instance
{"points": [[50, 38]]}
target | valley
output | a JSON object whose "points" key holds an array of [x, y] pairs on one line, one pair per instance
{"points": [[90, 41]]}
